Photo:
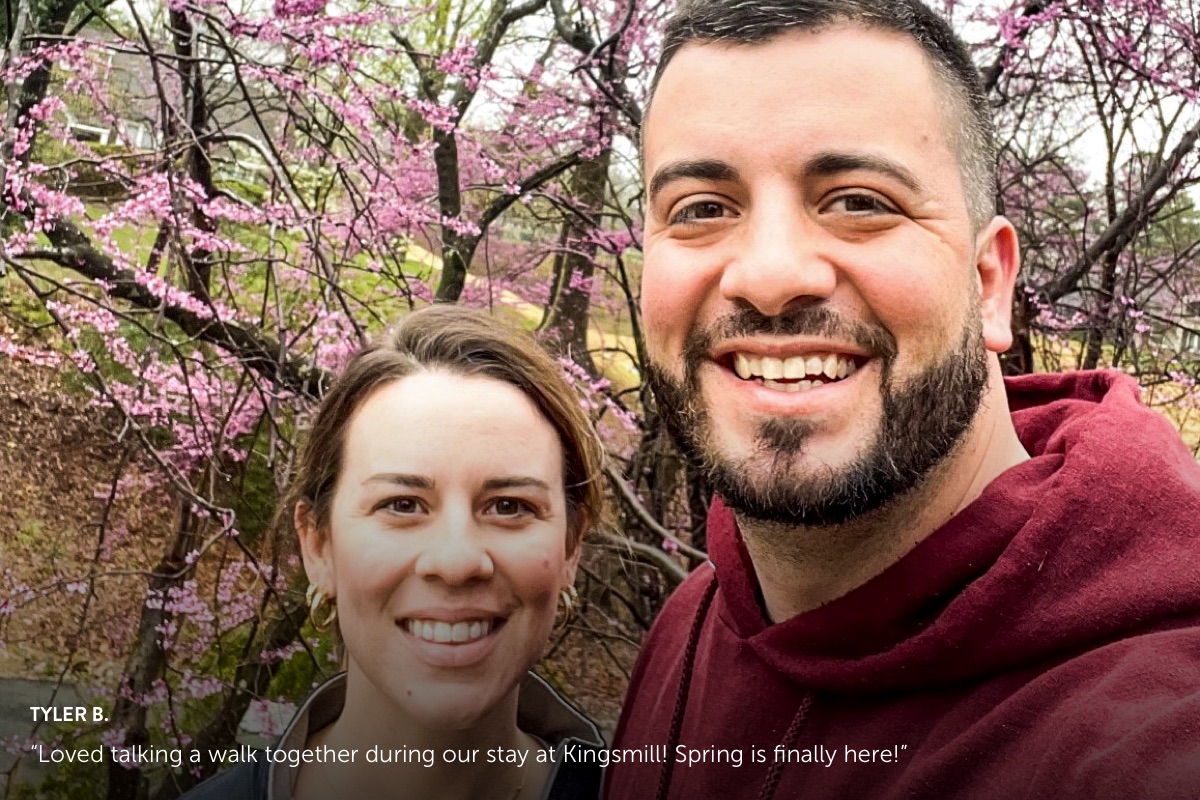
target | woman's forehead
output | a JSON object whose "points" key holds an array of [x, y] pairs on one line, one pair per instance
{"points": [[452, 424]]}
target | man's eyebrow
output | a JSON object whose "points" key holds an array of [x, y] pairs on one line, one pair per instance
{"points": [[829, 164], [703, 169], [514, 483], [401, 479]]}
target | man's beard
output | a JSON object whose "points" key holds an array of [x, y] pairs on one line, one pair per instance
{"points": [[923, 421]]}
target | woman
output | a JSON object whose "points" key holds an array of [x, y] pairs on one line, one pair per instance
{"points": [[440, 503]]}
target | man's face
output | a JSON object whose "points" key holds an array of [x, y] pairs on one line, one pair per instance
{"points": [[810, 291]]}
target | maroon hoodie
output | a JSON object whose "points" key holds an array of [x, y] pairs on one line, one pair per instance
{"points": [[1044, 643]]}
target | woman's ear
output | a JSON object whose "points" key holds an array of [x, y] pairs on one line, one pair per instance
{"points": [[314, 549], [571, 565]]}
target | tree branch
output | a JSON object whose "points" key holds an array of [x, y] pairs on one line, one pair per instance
{"points": [[258, 351], [668, 566], [500, 18], [990, 77], [536, 179], [625, 491], [1129, 222]]}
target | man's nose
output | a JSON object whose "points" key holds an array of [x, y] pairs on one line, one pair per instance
{"points": [[779, 262], [454, 552]]}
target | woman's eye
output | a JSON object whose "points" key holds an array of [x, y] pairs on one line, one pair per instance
{"points": [[861, 204], [508, 507], [404, 505], [695, 212]]}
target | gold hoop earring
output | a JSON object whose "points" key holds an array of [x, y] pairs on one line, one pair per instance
{"points": [[567, 598], [322, 619]]}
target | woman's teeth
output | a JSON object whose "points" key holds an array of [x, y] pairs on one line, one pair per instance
{"points": [[448, 632]]}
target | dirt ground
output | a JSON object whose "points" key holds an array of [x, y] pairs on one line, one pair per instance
{"points": [[56, 455]]}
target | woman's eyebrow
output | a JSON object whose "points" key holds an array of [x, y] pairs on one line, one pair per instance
{"points": [[401, 479], [515, 483]]}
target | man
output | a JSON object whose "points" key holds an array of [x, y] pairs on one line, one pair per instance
{"points": [[923, 584]]}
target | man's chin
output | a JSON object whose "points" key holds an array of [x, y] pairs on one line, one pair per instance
{"points": [[796, 495]]}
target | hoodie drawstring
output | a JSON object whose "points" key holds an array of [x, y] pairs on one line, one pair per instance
{"points": [[775, 771], [685, 683]]}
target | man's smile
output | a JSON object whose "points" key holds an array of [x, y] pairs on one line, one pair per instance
{"points": [[794, 373]]}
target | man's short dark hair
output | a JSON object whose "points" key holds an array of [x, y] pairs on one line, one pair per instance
{"points": [[749, 22]]}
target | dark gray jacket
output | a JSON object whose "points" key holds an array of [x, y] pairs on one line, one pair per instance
{"points": [[576, 773]]}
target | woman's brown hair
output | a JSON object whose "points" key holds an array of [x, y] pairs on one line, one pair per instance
{"points": [[464, 342]]}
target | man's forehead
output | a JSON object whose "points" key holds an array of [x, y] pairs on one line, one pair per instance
{"points": [[790, 49], [793, 38], [864, 60]]}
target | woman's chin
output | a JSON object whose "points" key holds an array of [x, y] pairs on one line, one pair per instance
{"points": [[446, 709]]}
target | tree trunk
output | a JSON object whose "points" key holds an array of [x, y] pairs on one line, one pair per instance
{"points": [[198, 262], [147, 659], [22, 97], [570, 303], [251, 681], [1103, 317], [457, 249], [1018, 360]]}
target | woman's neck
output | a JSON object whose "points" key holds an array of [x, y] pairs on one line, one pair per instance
{"points": [[417, 761]]}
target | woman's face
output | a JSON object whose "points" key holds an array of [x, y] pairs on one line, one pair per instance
{"points": [[447, 544]]}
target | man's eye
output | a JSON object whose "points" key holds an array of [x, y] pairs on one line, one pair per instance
{"points": [[861, 204], [693, 212]]}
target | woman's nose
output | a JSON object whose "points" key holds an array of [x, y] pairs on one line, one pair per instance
{"points": [[454, 553]]}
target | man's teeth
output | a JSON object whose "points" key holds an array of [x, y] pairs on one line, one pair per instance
{"points": [[447, 632], [797, 386], [830, 366]]}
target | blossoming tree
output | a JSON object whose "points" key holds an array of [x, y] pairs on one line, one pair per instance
{"points": [[207, 207]]}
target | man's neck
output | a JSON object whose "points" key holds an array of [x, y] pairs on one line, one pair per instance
{"points": [[802, 568]]}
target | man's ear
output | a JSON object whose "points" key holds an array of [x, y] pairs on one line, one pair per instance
{"points": [[997, 260], [314, 549]]}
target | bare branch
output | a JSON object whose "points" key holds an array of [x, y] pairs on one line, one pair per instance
{"points": [[668, 566], [1129, 222], [631, 501]]}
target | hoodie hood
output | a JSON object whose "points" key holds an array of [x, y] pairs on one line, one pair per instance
{"points": [[1038, 568]]}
